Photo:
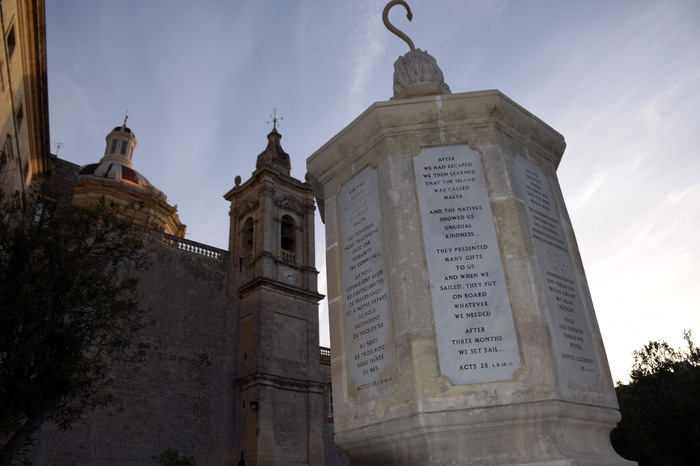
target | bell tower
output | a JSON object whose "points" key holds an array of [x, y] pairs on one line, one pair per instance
{"points": [[271, 240]]}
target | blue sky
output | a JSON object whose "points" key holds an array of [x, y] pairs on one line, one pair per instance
{"points": [[619, 79]]}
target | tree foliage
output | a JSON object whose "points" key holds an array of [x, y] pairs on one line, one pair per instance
{"points": [[65, 313], [171, 457], [661, 406]]}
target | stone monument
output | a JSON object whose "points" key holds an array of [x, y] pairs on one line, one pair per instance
{"points": [[462, 328]]}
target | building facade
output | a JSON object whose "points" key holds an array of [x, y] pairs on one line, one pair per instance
{"points": [[24, 108], [272, 239], [230, 366]]}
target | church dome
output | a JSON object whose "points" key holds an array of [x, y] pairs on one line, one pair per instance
{"points": [[116, 164], [119, 173], [114, 179], [123, 128]]}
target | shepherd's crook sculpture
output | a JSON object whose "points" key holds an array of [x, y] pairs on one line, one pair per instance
{"points": [[394, 29]]}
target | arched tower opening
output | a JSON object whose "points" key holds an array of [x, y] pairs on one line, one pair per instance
{"points": [[287, 237], [247, 237]]}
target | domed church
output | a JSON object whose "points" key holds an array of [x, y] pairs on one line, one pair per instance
{"points": [[230, 366], [115, 179]]}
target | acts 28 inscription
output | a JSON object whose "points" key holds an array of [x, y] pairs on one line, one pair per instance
{"points": [[369, 342], [473, 318]]}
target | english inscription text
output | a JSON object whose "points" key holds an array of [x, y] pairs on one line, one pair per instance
{"points": [[471, 307]]}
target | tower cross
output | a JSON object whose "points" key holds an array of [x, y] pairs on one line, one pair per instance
{"points": [[274, 119]]}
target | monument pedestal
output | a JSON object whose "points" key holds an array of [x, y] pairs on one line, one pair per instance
{"points": [[544, 433], [462, 329]]}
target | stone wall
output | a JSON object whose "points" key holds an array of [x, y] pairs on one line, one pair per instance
{"points": [[181, 395], [333, 455], [59, 185], [205, 359]]}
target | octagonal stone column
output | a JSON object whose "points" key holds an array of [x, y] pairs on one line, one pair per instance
{"points": [[462, 329]]}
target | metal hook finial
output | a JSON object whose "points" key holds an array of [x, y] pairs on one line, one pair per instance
{"points": [[394, 29]]}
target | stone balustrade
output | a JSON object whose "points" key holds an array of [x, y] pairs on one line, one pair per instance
{"points": [[325, 355], [288, 256], [183, 244], [194, 247]]}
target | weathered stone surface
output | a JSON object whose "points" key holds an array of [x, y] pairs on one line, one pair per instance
{"points": [[177, 396], [231, 363], [208, 357], [281, 420], [543, 410], [61, 184]]}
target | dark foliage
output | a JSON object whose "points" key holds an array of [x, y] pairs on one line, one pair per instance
{"points": [[171, 457], [65, 313], [661, 407]]}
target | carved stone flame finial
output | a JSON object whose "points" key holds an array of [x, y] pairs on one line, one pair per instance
{"points": [[416, 74]]}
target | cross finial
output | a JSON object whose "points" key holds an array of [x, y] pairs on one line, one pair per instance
{"points": [[274, 119]]}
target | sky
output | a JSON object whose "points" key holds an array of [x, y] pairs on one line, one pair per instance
{"points": [[620, 80]]}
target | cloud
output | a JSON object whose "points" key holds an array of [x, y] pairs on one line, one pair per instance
{"points": [[619, 81], [367, 46], [676, 196]]}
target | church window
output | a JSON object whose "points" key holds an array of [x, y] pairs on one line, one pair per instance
{"points": [[329, 402], [8, 149], [247, 237], [123, 149], [113, 149], [20, 116], [11, 42], [7, 153], [42, 212], [287, 234]]}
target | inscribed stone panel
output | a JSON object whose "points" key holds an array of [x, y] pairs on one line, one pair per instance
{"points": [[471, 307], [572, 336], [369, 337]]}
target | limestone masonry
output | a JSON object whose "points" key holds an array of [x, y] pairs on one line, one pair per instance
{"points": [[231, 363], [462, 328]]}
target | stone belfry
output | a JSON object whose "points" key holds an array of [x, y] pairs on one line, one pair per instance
{"points": [[272, 241]]}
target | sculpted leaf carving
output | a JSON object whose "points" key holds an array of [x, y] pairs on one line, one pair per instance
{"points": [[289, 202], [266, 190], [246, 205]]}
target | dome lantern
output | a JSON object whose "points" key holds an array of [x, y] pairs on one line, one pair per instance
{"points": [[120, 145]]}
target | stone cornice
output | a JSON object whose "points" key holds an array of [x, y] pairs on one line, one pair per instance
{"points": [[286, 383], [257, 282], [431, 121]]}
